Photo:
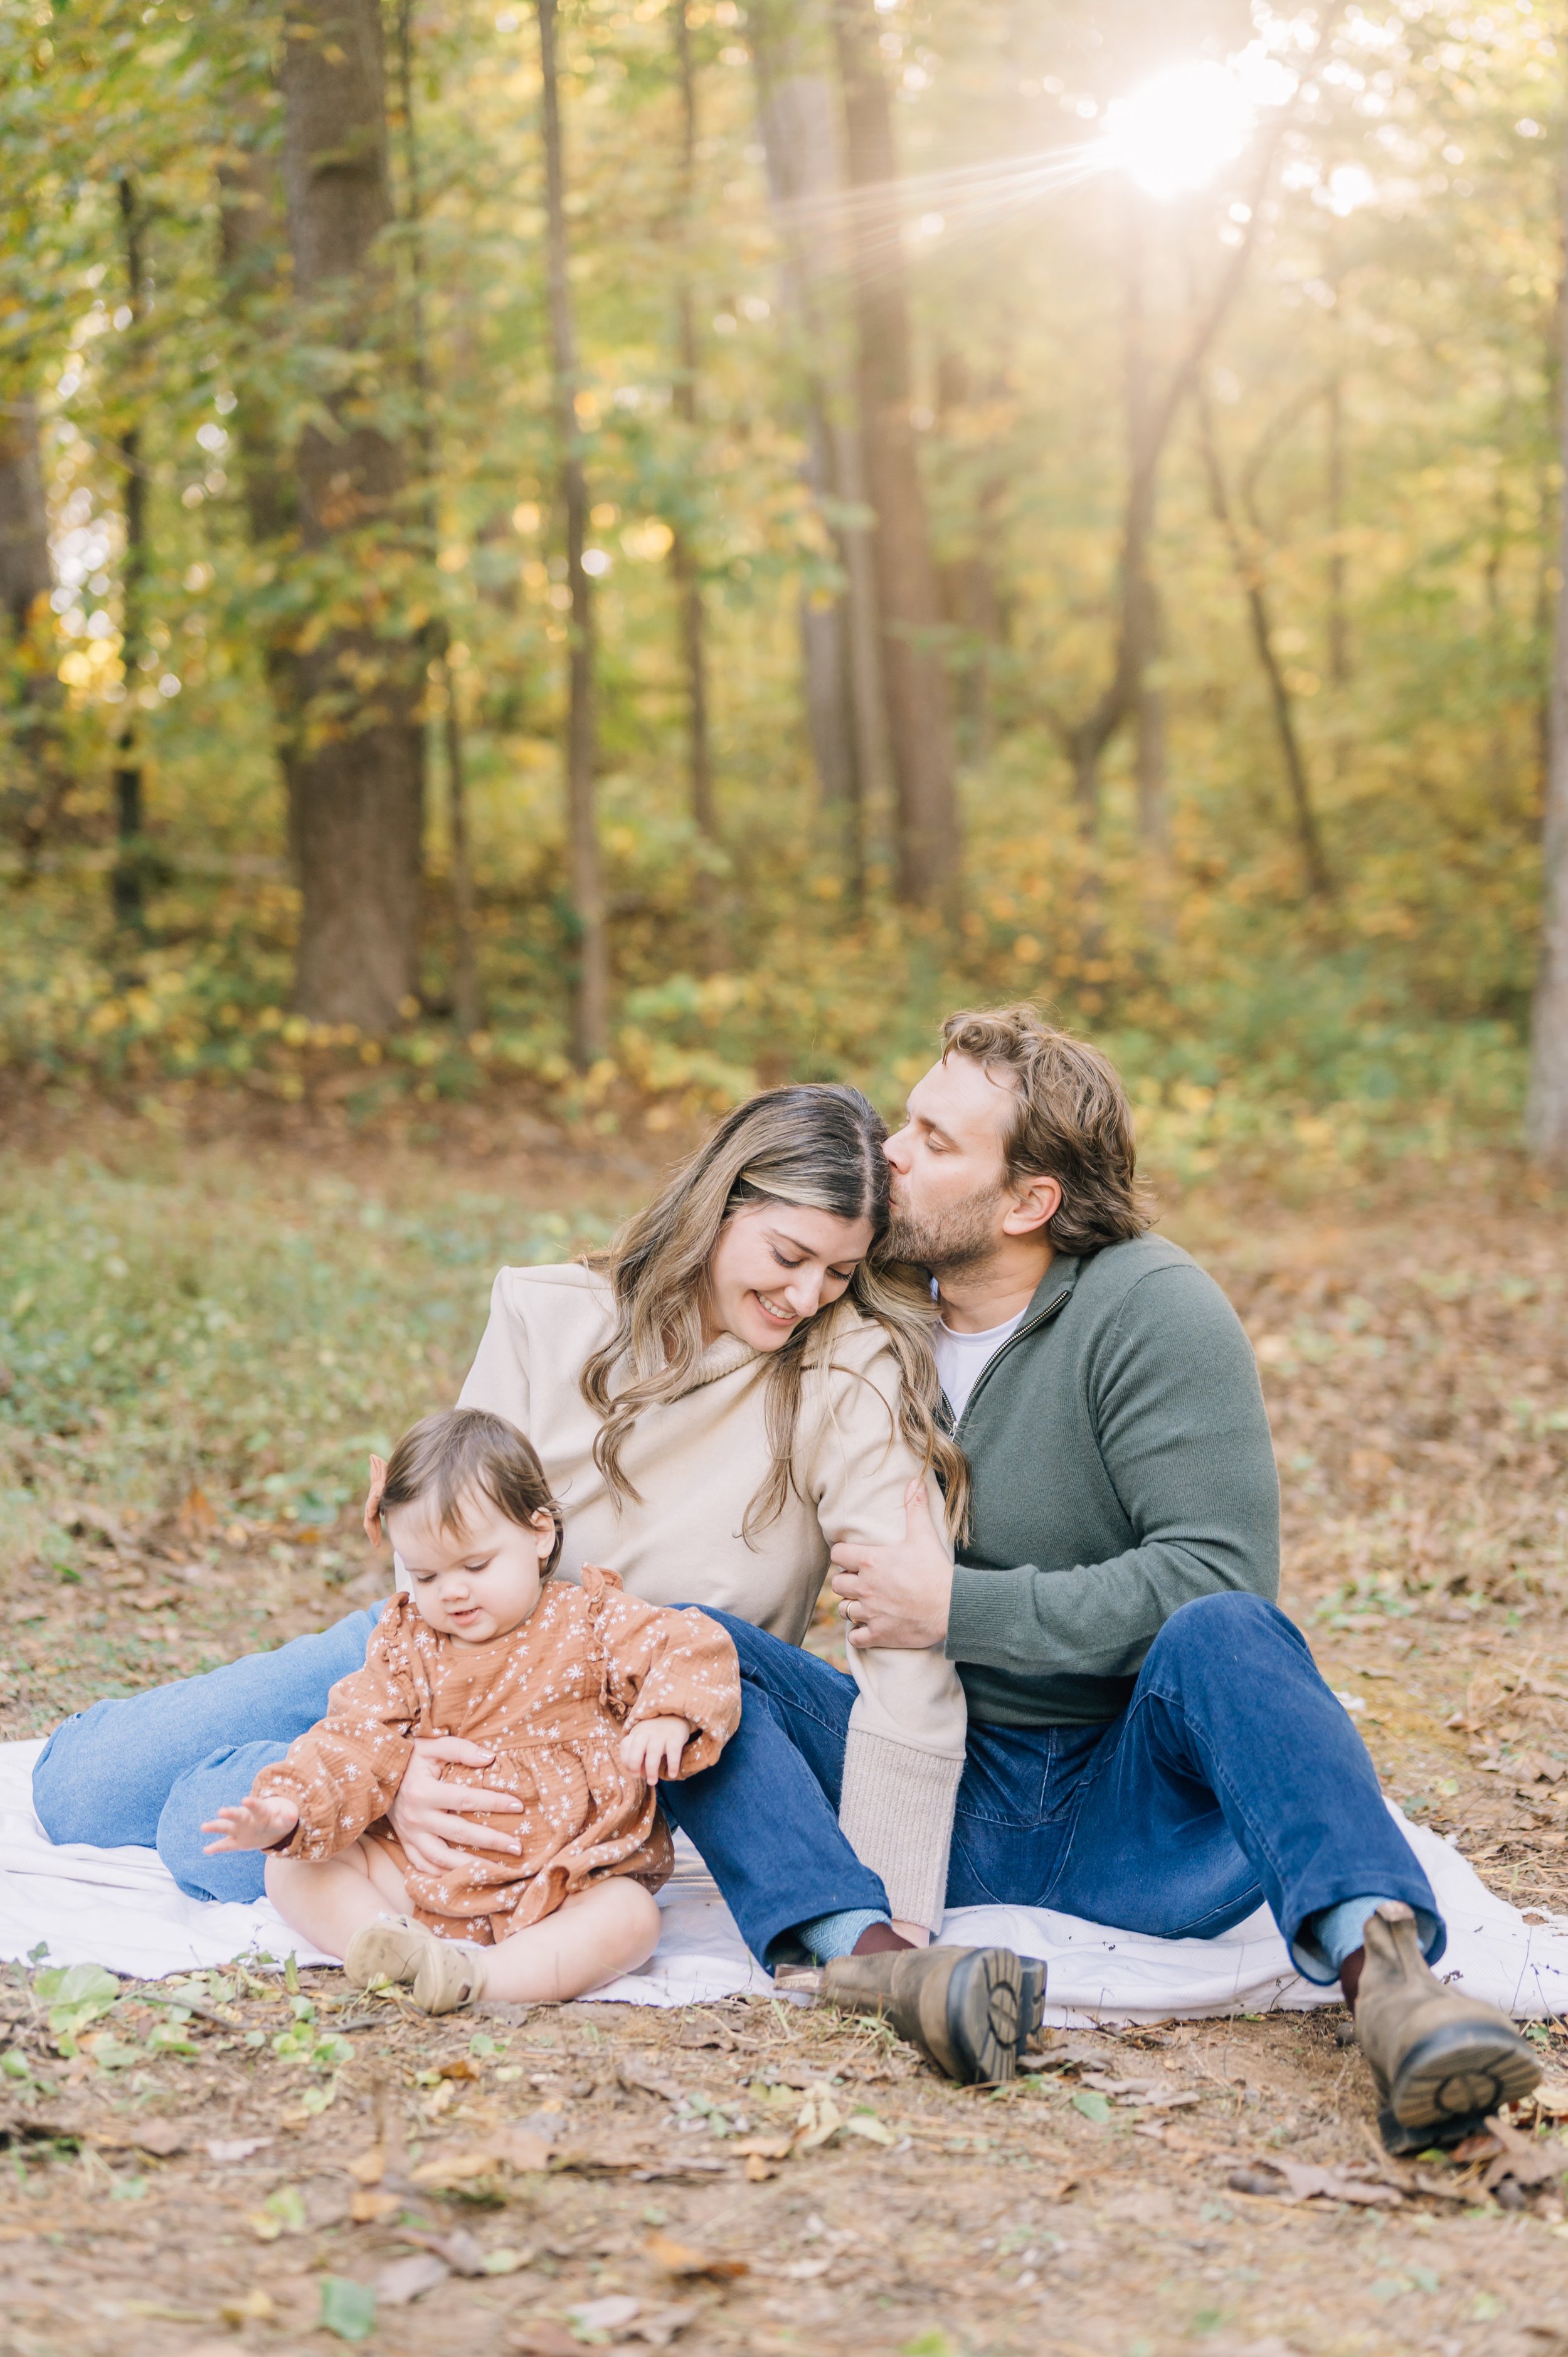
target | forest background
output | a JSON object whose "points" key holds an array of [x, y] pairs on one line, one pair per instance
{"points": [[649, 548]]}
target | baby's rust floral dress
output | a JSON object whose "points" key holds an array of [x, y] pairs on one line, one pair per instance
{"points": [[552, 1700]]}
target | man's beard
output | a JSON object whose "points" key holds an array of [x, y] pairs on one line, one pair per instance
{"points": [[961, 1236]]}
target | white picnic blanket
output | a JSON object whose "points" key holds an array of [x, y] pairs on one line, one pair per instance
{"points": [[120, 1907]]}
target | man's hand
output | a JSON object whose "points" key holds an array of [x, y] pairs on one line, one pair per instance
{"points": [[653, 1747], [430, 1817], [251, 1824], [898, 1595]]}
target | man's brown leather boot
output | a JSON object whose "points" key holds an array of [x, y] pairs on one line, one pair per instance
{"points": [[1442, 2060], [964, 2008]]}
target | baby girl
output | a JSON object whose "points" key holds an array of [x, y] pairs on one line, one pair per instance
{"points": [[586, 1697]]}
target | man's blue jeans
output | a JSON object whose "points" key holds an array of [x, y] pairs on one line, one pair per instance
{"points": [[152, 1768], [1233, 1775]]}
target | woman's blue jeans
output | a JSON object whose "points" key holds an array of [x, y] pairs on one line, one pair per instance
{"points": [[152, 1768]]}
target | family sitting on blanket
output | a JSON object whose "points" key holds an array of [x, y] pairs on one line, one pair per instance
{"points": [[1028, 1436]]}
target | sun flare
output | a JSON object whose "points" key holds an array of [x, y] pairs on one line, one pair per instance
{"points": [[1179, 129]]}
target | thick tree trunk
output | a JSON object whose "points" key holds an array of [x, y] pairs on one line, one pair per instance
{"points": [[840, 635], [591, 1012], [26, 575], [466, 1002], [1546, 1115], [253, 240], [125, 877], [358, 779], [914, 684], [682, 555], [33, 799]]}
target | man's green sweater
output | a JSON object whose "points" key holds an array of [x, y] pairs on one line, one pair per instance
{"points": [[1120, 1466]]}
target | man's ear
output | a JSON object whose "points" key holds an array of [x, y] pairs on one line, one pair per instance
{"points": [[1036, 1202]]}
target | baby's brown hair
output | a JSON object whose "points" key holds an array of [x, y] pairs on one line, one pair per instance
{"points": [[442, 1458]]}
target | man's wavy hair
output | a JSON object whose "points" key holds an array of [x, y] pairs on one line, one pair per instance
{"points": [[1073, 1124]]}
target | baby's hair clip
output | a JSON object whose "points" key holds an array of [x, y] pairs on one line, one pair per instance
{"points": [[373, 1502]]}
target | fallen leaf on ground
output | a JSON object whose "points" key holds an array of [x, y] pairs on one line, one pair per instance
{"points": [[638, 2079], [1522, 2158], [370, 2209], [368, 2167], [258, 2307], [545, 2339], [160, 2138], [457, 2165], [409, 2279], [764, 2148], [1300, 2180], [462, 2252], [223, 2149], [688, 2260], [820, 2119], [460, 2067], [758, 2171], [606, 2315], [348, 2309], [867, 2124], [505, 2262], [659, 2325]]}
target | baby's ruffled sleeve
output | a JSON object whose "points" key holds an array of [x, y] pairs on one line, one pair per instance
{"points": [[342, 1772], [668, 1664]]}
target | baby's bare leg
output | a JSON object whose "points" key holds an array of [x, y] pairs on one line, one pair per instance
{"points": [[609, 1928], [328, 1901]]}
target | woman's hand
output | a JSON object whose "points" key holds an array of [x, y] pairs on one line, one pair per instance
{"points": [[430, 1817], [898, 1595], [252, 1824], [653, 1747]]}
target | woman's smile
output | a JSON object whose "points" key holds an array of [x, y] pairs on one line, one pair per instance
{"points": [[777, 1313]]}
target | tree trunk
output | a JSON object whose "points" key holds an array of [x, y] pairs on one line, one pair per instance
{"points": [[1249, 574], [253, 237], [26, 577], [682, 556], [1546, 1115], [466, 1003], [358, 779], [1149, 705], [838, 635], [125, 877], [1084, 740], [591, 1013], [914, 684], [1338, 622]]}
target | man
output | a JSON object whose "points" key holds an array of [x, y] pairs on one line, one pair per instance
{"points": [[1150, 1744]]}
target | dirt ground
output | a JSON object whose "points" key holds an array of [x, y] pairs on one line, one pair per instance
{"points": [[241, 2171]]}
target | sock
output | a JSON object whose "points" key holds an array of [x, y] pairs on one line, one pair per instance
{"points": [[827, 1936], [1326, 1939]]}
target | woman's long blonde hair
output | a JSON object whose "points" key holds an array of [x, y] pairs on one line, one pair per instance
{"points": [[814, 1143]]}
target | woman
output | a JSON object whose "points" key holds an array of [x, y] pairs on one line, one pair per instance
{"points": [[740, 1383]]}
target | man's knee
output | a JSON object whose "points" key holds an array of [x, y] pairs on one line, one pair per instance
{"points": [[1234, 1626]]}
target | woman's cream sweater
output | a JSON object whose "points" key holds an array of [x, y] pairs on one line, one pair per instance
{"points": [[696, 1462]]}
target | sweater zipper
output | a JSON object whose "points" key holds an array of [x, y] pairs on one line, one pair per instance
{"points": [[1020, 1334]]}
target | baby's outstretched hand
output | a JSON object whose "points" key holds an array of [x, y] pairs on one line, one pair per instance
{"points": [[252, 1824], [653, 1747]]}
